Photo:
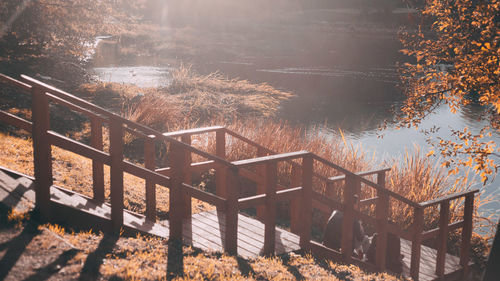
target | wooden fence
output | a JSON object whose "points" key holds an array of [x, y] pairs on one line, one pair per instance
{"points": [[262, 170]]}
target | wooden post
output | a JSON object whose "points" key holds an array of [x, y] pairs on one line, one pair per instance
{"points": [[97, 166], [350, 188], [177, 207], [381, 181], [187, 176], [416, 243], [271, 180], [444, 214], [295, 210], [149, 163], [42, 154], [329, 191], [467, 234], [231, 210], [220, 171], [116, 173], [306, 212], [382, 212], [261, 187]]}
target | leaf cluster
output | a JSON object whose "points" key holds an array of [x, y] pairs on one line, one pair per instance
{"points": [[456, 62]]}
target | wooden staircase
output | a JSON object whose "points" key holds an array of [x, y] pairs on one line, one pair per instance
{"points": [[225, 229]]}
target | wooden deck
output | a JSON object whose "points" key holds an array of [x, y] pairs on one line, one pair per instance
{"points": [[428, 262], [203, 230]]}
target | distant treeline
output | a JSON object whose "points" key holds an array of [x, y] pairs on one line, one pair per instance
{"points": [[213, 11]]}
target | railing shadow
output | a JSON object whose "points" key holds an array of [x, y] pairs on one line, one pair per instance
{"points": [[175, 259], [90, 270], [291, 268], [16, 247], [47, 271], [244, 267]]}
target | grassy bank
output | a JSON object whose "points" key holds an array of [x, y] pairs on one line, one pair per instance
{"points": [[63, 254]]}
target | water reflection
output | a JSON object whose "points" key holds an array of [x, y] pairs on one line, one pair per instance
{"points": [[141, 76]]}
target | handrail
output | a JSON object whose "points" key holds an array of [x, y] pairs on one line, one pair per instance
{"points": [[249, 141], [362, 174], [368, 182], [15, 82], [16, 121], [193, 131], [447, 198], [78, 101], [271, 158]]}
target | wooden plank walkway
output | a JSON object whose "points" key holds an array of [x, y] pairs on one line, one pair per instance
{"points": [[203, 230], [428, 262], [206, 231]]}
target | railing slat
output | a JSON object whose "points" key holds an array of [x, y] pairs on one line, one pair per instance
{"points": [[204, 196], [252, 201], [306, 209], [13, 82], [270, 158], [271, 179], [15, 121], [295, 209], [116, 174], [416, 243], [261, 184], [176, 212], [149, 163], [434, 232], [187, 175], [97, 166], [289, 194], [78, 148], [382, 213], [447, 198], [362, 174], [350, 188], [444, 214], [326, 204], [231, 211], [42, 153], [194, 131], [467, 233], [144, 173], [195, 167], [220, 171]]}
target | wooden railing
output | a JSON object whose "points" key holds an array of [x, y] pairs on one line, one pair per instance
{"points": [[263, 170]]}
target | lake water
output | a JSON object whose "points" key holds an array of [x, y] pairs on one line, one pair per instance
{"points": [[344, 74]]}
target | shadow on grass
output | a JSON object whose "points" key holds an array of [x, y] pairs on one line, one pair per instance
{"points": [[291, 268], [47, 271], [175, 259], [16, 247], [244, 267], [342, 275], [90, 270]]}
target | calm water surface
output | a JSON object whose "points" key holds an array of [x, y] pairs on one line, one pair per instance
{"points": [[344, 75]]}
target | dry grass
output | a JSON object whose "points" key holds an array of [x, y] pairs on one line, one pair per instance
{"points": [[190, 99], [98, 256]]}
